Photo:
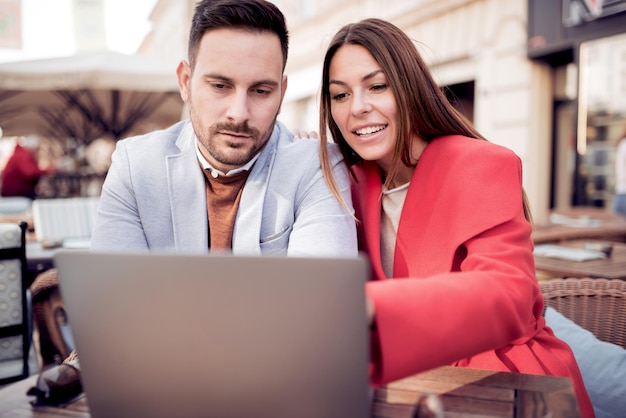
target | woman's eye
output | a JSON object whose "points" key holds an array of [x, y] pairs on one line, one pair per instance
{"points": [[339, 96], [379, 87]]}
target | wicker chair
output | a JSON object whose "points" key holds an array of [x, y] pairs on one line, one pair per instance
{"points": [[598, 305]]}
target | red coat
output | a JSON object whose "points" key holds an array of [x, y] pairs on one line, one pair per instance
{"points": [[21, 173], [464, 289]]}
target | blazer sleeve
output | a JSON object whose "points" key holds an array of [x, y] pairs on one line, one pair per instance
{"points": [[322, 226], [118, 226]]}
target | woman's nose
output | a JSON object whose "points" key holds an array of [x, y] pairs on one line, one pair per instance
{"points": [[360, 104]]}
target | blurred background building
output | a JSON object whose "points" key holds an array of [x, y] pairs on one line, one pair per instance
{"points": [[544, 78]]}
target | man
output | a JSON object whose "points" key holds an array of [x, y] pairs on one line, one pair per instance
{"points": [[232, 177]]}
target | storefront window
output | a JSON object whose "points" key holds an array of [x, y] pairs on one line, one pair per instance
{"points": [[601, 118]]}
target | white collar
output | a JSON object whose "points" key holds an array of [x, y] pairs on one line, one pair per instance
{"points": [[214, 171]]}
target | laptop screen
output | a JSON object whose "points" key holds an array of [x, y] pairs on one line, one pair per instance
{"points": [[218, 335]]}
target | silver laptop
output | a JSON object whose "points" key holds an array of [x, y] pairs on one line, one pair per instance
{"points": [[221, 336]]}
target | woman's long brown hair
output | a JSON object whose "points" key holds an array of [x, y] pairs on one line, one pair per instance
{"points": [[423, 108]]}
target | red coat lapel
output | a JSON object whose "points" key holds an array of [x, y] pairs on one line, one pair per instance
{"points": [[443, 193]]}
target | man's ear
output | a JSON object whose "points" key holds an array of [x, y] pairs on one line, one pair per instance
{"points": [[183, 73], [283, 87]]}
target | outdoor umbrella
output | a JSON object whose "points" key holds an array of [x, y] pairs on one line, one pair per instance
{"points": [[89, 95]]}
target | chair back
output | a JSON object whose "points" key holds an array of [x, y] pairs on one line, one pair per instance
{"points": [[598, 305], [64, 218], [50, 319], [14, 312]]}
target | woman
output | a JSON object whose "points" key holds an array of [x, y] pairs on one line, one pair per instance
{"points": [[441, 211]]}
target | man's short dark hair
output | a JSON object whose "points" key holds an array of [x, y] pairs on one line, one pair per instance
{"points": [[253, 15]]}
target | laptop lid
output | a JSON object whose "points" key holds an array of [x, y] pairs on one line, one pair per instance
{"points": [[164, 335]]}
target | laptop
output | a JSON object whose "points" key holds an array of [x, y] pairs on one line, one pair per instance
{"points": [[218, 335]]}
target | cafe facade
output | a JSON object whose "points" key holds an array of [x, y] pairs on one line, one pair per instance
{"points": [[546, 78], [584, 43], [514, 67]]}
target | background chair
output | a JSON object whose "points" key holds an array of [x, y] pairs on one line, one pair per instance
{"points": [[64, 219], [598, 305], [15, 205], [50, 319], [15, 329], [589, 315]]}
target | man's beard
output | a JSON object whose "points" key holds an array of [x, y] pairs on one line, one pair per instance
{"points": [[243, 152], [232, 158]]}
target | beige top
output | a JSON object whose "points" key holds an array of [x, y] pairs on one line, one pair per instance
{"points": [[392, 203]]}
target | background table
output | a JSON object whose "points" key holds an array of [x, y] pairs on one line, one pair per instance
{"points": [[15, 403], [581, 223], [38, 259], [612, 267], [464, 393]]}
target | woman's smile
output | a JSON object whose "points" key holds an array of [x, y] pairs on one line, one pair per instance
{"points": [[369, 130]]}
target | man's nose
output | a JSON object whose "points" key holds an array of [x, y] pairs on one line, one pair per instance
{"points": [[239, 107]]}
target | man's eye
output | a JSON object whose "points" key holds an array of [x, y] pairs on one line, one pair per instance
{"points": [[262, 92]]}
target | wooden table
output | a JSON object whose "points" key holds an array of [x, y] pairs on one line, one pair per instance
{"points": [[480, 393], [581, 223], [612, 267], [40, 259], [14, 403], [464, 393]]}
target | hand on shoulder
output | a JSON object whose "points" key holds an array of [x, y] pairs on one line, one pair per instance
{"points": [[304, 134]]}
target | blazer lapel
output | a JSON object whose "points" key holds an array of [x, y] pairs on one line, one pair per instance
{"points": [[423, 224], [247, 231], [414, 219], [426, 243], [187, 194], [369, 190]]}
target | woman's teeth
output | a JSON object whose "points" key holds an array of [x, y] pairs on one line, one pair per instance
{"points": [[370, 130]]}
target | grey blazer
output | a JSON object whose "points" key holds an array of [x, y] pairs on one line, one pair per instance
{"points": [[154, 198]]}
